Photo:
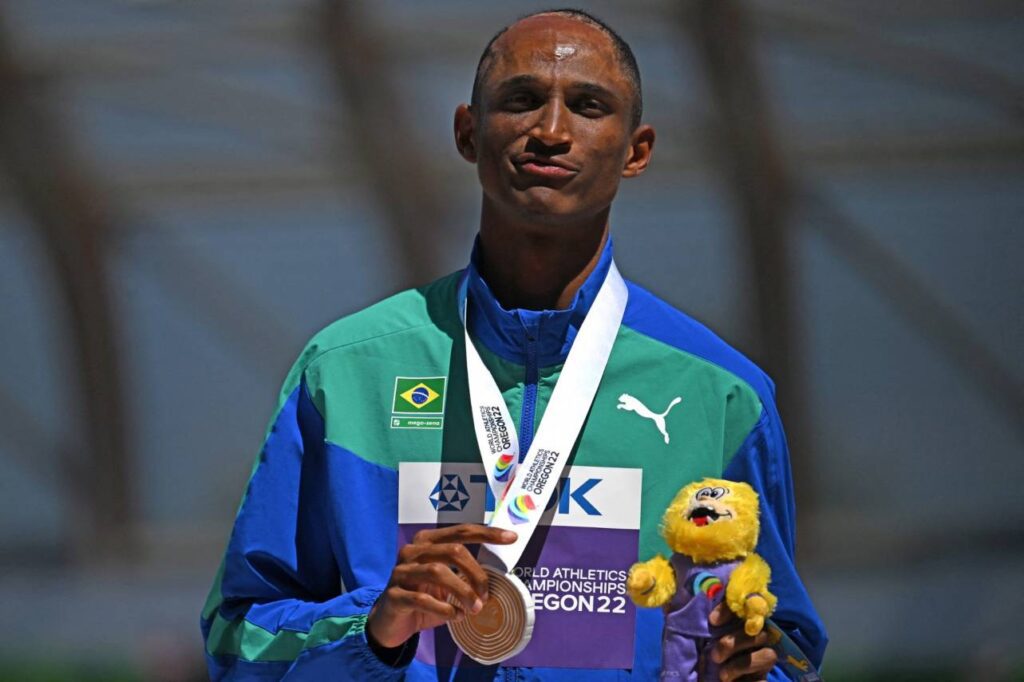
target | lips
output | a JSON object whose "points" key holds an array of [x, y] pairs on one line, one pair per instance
{"points": [[544, 166]]}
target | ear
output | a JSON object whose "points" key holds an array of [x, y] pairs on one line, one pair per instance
{"points": [[641, 146], [465, 126]]}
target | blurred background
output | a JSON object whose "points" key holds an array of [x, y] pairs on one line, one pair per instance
{"points": [[189, 190]]}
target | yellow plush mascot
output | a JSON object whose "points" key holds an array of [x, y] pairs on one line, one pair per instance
{"points": [[712, 527]]}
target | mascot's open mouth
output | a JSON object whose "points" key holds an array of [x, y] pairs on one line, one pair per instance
{"points": [[702, 516]]}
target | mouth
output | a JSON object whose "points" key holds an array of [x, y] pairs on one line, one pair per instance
{"points": [[702, 516], [544, 166]]}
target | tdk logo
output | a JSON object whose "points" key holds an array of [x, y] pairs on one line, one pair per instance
{"points": [[585, 496], [568, 497], [449, 494]]}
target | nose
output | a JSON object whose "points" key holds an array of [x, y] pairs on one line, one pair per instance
{"points": [[552, 126]]}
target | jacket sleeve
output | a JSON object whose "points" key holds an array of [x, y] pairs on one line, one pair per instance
{"points": [[763, 462], [278, 609]]}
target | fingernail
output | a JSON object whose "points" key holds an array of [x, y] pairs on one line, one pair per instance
{"points": [[509, 536], [477, 605]]}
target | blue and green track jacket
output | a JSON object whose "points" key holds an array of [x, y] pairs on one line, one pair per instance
{"points": [[384, 390]]}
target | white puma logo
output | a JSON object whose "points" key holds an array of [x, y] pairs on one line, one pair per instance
{"points": [[628, 402]]}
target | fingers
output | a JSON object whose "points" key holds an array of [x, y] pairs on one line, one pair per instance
{"points": [[749, 665], [449, 554], [721, 615], [446, 546], [431, 570], [424, 576], [465, 533], [736, 642], [414, 600]]}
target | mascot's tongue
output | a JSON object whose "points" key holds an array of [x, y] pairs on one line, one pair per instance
{"points": [[700, 520]]}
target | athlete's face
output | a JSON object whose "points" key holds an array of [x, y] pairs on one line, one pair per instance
{"points": [[552, 134]]}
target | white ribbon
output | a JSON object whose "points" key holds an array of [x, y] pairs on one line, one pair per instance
{"points": [[523, 490]]}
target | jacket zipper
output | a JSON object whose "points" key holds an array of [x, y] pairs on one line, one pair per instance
{"points": [[526, 418]]}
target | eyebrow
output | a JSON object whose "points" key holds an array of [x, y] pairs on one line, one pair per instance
{"points": [[595, 89], [513, 81], [585, 86]]}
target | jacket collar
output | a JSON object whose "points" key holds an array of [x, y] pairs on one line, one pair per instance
{"points": [[509, 334]]}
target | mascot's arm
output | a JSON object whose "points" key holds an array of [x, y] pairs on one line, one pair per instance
{"points": [[651, 583], [747, 593]]}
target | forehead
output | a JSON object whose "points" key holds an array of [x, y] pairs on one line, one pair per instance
{"points": [[552, 44]]}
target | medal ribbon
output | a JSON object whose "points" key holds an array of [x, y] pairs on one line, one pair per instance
{"points": [[522, 490]]}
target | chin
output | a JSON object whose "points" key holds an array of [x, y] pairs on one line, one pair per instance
{"points": [[545, 215], [549, 206], [543, 206]]}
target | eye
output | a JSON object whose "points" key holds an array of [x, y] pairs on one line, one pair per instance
{"points": [[590, 106], [705, 492], [719, 492], [520, 101]]}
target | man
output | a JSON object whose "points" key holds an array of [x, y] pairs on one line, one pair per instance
{"points": [[374, 422]]}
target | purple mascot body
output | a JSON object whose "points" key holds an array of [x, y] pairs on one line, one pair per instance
{"points": [[687, 637]]}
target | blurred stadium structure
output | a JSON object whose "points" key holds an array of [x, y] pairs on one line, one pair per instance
{"points": [[190, 189]]}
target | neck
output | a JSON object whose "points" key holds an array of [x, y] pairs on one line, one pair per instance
{"points": [[539, 269]]}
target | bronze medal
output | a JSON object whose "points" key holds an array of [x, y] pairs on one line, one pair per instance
{"points": [[504, 625]]}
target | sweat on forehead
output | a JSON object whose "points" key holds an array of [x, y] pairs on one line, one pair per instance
{"points": [[550, 37], [568, 30]]}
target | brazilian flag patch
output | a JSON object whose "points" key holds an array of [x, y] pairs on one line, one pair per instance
{"points": [[419, 396]]}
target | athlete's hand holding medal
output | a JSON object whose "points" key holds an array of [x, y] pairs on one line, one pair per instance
{"points": [[435, 581]]}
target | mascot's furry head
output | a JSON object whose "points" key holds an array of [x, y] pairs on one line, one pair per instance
{"points": [[712, 520]]}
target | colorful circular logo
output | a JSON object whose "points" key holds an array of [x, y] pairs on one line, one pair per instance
{"points": [[520, 508], [420, 395], [503, 467]]}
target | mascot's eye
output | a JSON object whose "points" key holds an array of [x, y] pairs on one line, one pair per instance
{"points": [[705, 492], [719, 492]]}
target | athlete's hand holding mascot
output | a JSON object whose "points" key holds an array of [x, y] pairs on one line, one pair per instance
{"points": [[712, 527]]}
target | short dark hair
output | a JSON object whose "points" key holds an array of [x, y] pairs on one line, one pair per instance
{"points": [[623, 54]]}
